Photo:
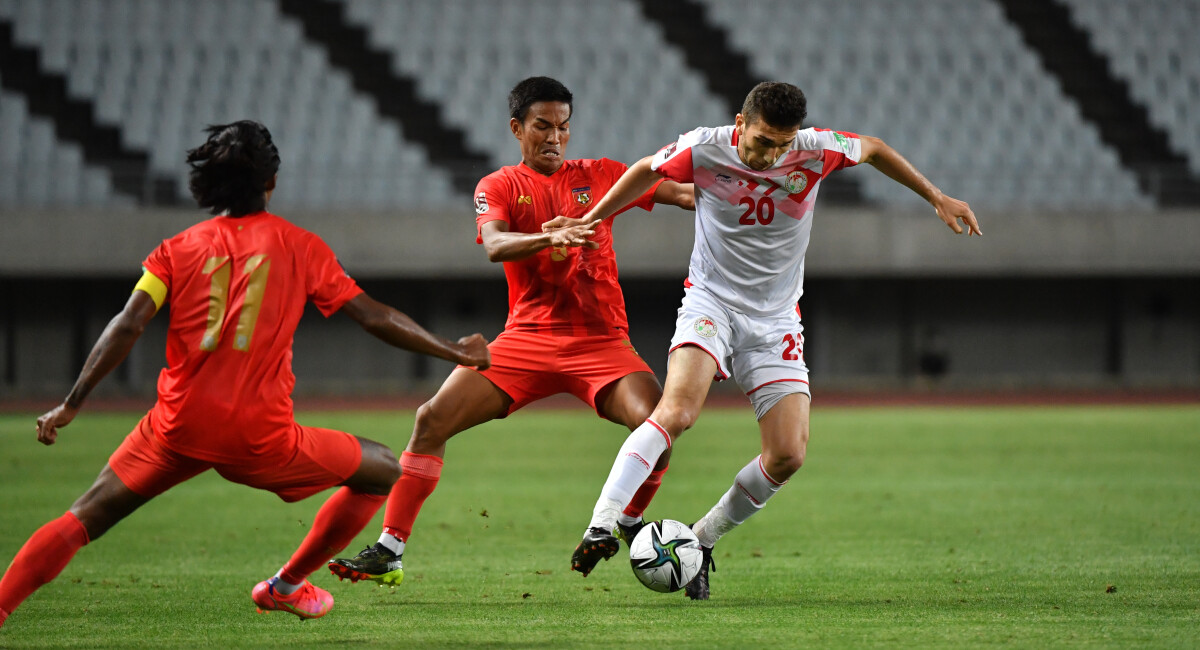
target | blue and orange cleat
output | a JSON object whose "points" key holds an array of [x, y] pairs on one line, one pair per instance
{"points": [[309, 601]]}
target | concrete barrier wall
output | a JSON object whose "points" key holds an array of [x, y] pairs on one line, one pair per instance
{"points": [[846, 242]]}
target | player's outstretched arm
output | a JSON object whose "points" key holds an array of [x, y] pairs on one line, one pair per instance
{"points": [[504, 246], [889, 161], [636, 181], [679, 194], [395, 328], [110, 350]]}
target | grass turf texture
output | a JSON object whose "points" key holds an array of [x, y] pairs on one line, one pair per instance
{"points": [[909, 527]]}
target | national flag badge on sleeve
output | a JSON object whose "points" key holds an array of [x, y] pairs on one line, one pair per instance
{"points": [[582, 195]]}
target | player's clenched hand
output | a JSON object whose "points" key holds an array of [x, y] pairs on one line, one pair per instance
{"points": [[573, 236], [48, 424], [474, 352], [950, 210], [558, 223]]}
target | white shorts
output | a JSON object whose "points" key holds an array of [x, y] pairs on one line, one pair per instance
{"points": [[765, 355]]}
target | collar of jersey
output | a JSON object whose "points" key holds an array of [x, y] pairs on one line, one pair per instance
{"points": [[245, 216], [533, 173]]}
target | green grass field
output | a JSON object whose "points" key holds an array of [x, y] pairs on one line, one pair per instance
{"points": [[913, 527]]}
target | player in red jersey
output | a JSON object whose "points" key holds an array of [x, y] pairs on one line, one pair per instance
{"points": [[566, 329], [237, 285]]}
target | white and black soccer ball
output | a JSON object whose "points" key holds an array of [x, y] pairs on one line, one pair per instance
{"points": [[665, 555]]}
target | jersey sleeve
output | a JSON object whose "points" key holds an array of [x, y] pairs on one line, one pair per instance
{"points": [[674, 161], [153, 287], [839, 149], [158, 264], [491, 203], [327, 283]]}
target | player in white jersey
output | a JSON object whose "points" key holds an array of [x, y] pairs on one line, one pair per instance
{"points": [[756, 182]]}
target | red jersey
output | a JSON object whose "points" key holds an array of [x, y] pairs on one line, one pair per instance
{"points": [[237, 288], [569, 291]]}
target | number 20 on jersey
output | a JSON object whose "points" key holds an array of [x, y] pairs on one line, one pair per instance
{"points": [[760, 212]]}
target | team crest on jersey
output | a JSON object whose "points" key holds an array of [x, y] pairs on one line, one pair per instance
{"points": [[524, 199], [481, 205], [796, 182], [582, 195], [706, 327]]}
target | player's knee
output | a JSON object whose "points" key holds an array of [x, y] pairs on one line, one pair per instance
{"points": [[676, 418], [431, 427], [379, 470], [391, 468], [780, 467]]}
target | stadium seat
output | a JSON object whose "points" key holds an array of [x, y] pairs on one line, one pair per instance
{"points": [[948, 82], [1153, 46]]}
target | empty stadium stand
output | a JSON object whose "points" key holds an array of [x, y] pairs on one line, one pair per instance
{"points": [[386, 111], [947, 82], [950, 83], [1154, 47]]}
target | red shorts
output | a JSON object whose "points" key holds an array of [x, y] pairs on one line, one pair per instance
{"points": [[318, 460], [529, 366]]}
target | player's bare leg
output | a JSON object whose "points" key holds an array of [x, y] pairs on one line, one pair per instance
{"points": [[466, 399], [51, 547], [784, 431], [689, 375], [629, 401]]}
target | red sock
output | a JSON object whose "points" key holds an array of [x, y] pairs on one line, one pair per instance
{"points": [[337, 522], [42, 558], [641, 498], [419, 476]]}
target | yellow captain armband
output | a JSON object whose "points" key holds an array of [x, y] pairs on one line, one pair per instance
{"points": [[153, 286]]}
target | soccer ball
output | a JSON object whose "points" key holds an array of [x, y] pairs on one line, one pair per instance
{"points": [[665, 555]]}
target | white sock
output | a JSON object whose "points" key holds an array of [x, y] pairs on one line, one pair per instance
{"points": [[750, 492], [391, 543], [626, 520], [633, 464], [285, 588], [713, 525]]}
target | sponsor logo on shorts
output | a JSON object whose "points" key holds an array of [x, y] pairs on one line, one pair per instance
{"points": [[796, 182], [706, 327], [481, 205]]}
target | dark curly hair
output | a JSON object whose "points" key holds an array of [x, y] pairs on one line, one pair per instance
{"points": [[779, 104], [534, 90], [232, 171]]}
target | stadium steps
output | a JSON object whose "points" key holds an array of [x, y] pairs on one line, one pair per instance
{"points": [[726, 71], [74, 120], [1067, 53], [325, 23]]}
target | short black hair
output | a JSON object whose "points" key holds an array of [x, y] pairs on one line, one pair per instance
{"points": [[533, 90], [233, 168], [779, 104]]}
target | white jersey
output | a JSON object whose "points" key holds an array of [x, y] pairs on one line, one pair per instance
{"points": [[752, 227]]}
